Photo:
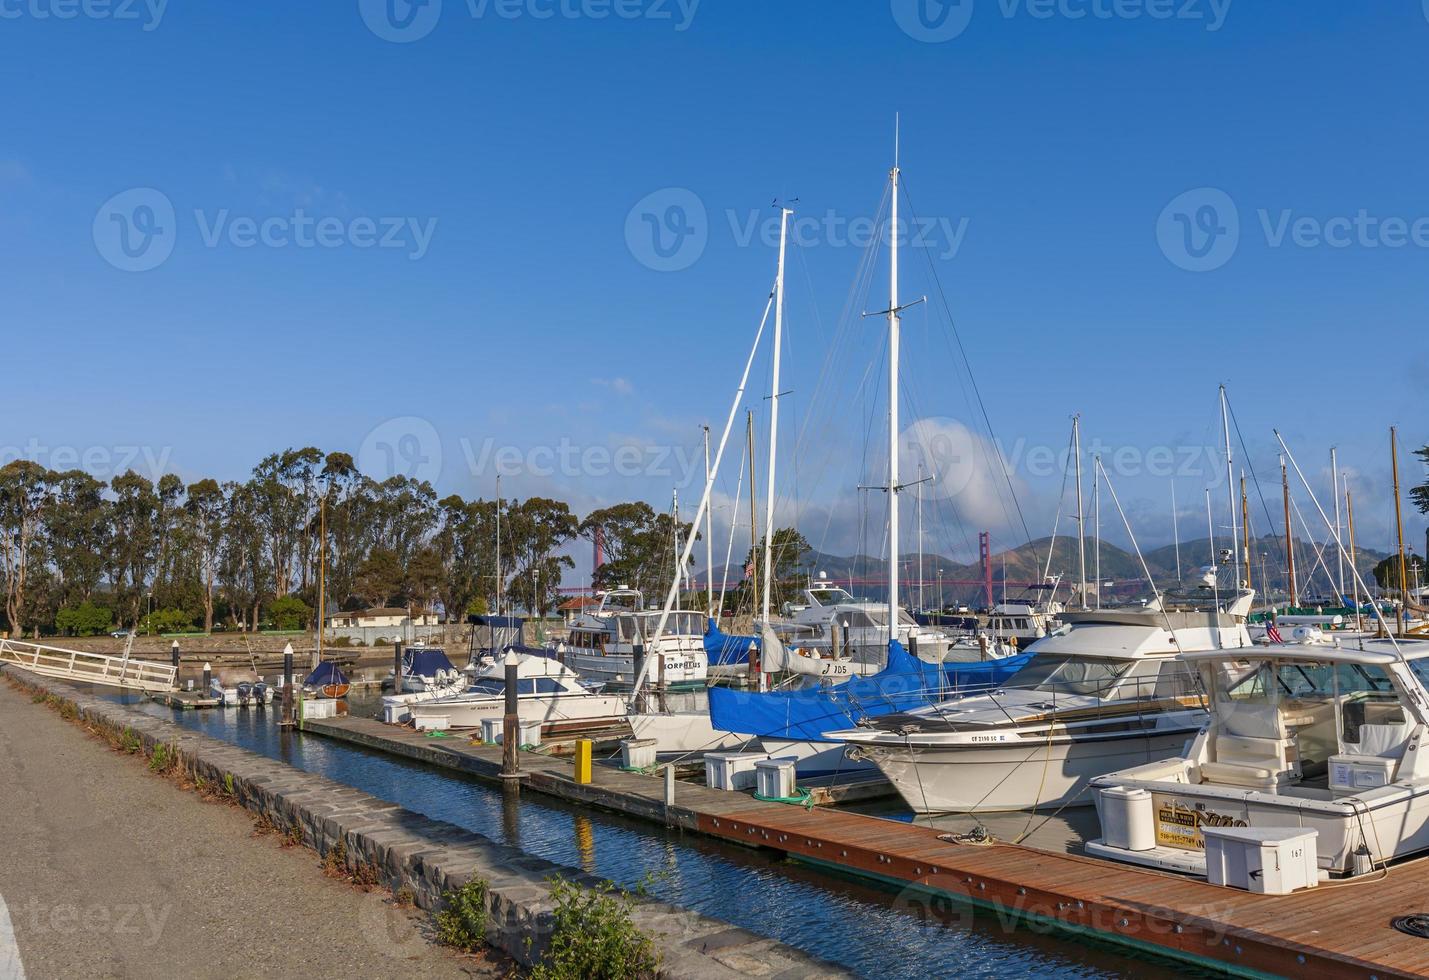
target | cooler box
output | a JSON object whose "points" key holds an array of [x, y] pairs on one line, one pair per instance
{"points": [[774, 778], [732, 770], [639, 753], [1128, 821], [432, 723], [319, 708], [1268, 860], [1351, 774], [529, 733], [491, 729]]}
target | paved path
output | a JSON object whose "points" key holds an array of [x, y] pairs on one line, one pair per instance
{"points": [[109, 871]]}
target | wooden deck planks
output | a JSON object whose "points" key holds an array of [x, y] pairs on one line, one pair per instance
{"points": [[1330, 931]]}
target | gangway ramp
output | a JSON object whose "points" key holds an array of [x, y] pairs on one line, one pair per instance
{"points": [[89, 668]]}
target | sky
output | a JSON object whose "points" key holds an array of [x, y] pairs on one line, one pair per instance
{"points": [[536, 237]]}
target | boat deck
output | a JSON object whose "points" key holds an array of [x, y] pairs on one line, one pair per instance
{"points": [[1333, 930]]}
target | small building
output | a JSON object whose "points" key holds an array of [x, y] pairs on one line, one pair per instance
{"points": [[573, 608], [384, 624]]}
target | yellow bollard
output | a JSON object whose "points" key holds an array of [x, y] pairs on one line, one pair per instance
{"points": [[583, 754]]}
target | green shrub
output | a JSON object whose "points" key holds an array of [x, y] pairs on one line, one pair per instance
{"points": [[462, 923], [290, 613], [595, 937], [129, 741], [85, 619]]}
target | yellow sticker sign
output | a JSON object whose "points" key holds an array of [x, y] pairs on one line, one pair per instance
{"points": [[1179, 822]]}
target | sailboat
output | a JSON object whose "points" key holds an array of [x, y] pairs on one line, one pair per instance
{"points": [[791, 723]]}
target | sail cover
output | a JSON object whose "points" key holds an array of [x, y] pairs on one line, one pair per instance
{"points": [[726, 650], [326, 673], [424, 662], [903, 684]]}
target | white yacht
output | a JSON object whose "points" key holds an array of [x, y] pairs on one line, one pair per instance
{"points": [[546, 691], [1323, 737], [600, 646], [862, 628], [1106, 690]]}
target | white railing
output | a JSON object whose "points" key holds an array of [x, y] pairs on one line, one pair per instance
{"points": [[90, 668]]}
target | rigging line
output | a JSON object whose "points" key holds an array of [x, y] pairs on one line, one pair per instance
{"points": [[1259, 491], [952, 325]]}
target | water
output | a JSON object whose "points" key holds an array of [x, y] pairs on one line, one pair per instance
{"points": [[873, 931]]}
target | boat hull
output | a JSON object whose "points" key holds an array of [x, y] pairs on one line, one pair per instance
{"points": [[547, 710], [1025, 775], [816, 758], [685, 731], [616, 670]]}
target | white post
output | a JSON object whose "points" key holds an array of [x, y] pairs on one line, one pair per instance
{"points": [[1339, 558], [774, 414], [709, 535], [1175, 529], [893, 401], [1230, 487], [1081, 524], [1097, 518]]}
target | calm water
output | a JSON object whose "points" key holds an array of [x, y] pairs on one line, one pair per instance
{"points": [[877, 932]]}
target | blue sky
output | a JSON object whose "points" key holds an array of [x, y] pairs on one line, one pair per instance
{"points": [[509, 159]]}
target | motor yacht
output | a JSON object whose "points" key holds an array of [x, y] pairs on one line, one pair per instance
{"points": [[547, 691], [1104, 691], [1323, 737], [600, 646]]}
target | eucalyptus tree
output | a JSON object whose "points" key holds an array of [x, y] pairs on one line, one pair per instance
{"points": [[537, 528], [205, 511], [465, 543], [77, 536], [284, 487], [135, 518], [25, 491]]}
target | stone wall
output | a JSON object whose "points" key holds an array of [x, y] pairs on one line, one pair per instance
{"points": [[429, 857]]}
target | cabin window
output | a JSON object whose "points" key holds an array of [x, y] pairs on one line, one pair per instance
{"points": [[548, 685], [526, 685], [1071, 675], [489, 686]]}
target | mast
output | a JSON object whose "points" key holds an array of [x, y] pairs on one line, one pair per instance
{"points": [[1175, 530], [1081, 524], [1097, 517], [1215, 559], [893, 395], [753, 513], [1339, 555], [1245, 526], [774, 413], [500, 583], [921, 603], [675, 527], [1399, 528], [1350, 514], [1289, 540], [709, 535], [1230, 482]]}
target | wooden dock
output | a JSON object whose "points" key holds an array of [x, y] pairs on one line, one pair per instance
{"points": [[1334, 930], [186, 700]]}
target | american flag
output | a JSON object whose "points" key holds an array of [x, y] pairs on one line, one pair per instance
{"points": [[1272, 633]]}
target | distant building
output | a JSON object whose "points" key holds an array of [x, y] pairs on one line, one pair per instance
{"points": [[572, 608], [379, 617]]}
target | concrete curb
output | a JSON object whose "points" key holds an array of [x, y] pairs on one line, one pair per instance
{"points": [[430, 857]]}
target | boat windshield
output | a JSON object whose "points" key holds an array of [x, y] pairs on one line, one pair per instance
{"points": [[1071, 675], [487, 685], [830, 597]]}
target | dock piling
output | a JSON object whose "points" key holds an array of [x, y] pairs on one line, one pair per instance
{"points": [[511, 725], [207, 677], [287, 721], [174, 659], [397, 667]]}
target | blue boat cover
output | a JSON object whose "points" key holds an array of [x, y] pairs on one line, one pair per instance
{"points": [[424, 662], [903, 684], [326, 673], [725, 650], [497, 622]]}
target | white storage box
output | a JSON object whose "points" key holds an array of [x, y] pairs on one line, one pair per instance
{"points": [[529, 733], [638, 753], [1351, 774], [732, 770], [316, 709], [1268, 860], [774, 778], [491, 730], [1128, 821], [396, 714], [433, 723]]}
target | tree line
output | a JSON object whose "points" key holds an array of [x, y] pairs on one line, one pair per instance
{"points": [[78, 554]]}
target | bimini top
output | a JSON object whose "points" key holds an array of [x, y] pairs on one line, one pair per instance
{"points": [[1375, 652]]}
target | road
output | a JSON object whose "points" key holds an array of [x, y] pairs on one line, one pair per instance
{"points": [[110, 871]]}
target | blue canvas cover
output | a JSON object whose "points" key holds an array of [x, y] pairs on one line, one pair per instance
{"points": [[325, 674], [726, 650], [424, 662], [903, 684]]}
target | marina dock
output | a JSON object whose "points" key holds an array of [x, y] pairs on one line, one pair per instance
{"points": [[1333, 930]]}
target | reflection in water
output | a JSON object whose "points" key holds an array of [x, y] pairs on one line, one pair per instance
{"points": [[871, 930], [584, 837], [511, 811]]}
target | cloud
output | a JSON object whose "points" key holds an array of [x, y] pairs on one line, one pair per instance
{"points": [[620, 386]]}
